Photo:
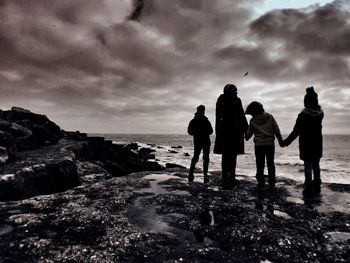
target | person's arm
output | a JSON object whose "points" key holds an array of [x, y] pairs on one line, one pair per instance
{"points": [[249, 133], [277, 132], [243, 121], [218, 115], [295, 133], [210, 128], [190, 128]]}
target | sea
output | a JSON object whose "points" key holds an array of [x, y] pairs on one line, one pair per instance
{"points": [[178, 149]]}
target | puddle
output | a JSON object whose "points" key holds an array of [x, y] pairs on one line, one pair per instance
{"points": [[147, 219], [338, 237], [328, 201], [281, 214], [156, 188], [5, 229]]}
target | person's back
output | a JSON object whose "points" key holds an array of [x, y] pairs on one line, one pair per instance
{"points": [[265, 128], [308, 127], [310, 133], [200, 128]]}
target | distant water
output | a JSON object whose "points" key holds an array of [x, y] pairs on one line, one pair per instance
{"points": [[335, 164]]}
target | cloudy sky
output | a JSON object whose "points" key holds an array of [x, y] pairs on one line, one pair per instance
{"points": [[123, 66]]}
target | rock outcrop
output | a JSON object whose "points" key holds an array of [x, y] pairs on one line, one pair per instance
{"points": [[37, 157]]}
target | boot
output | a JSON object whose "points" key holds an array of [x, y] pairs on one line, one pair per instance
{"points": [[308, 189], [225, 181], [205, 171], [316, 187]]}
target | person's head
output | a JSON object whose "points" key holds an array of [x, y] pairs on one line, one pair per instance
{"points": [[255, 108], [230, 89], [311, 98], [201, 109]]}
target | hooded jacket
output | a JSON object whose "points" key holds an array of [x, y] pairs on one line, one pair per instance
{"points": [[200, 128], [265, 128], [308, 127]]}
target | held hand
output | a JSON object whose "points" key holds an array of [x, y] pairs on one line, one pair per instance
{"points": [[282, 143]]}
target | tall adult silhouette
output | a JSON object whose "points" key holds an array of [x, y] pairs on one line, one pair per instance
{"points": [[308, 127], [230, 127]]}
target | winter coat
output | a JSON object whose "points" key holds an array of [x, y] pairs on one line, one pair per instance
{"points": [[309, 129], [264, 127], [230, 125], [200, 128]]}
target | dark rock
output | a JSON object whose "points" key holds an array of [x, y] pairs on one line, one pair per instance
{"points": [[26, 143], [174, 165], [7, 141], [187, 154], [115, 169], [14, 129], [3, 155], [144, 150], [20, 114], [172, 151], [39, 179], [43, 135], [77, 136], [96, 139], [151, 156], [152, 166], [177, 147], [133, 146]]}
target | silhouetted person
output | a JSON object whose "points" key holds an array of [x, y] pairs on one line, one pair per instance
{"points": [[200, 128], [308, 127], [230, 126], [264, 127]]}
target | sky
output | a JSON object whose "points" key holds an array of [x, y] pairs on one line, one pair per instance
{"points": [[143, 66]]}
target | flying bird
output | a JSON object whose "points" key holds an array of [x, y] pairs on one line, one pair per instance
{"points": [[246, 74]]}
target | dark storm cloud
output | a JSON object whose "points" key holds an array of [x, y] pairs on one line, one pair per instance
{"points": [[110, 66], [256, 61], [323, 30], [136, 13]]}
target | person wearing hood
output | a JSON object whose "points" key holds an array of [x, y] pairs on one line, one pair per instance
{"points": [[308, 127], [230, 126], [200, 128], [264, 127]]}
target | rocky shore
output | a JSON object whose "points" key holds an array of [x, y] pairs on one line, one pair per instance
{"points": [[67, 197]]}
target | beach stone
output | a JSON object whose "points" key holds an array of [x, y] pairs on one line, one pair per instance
{"points": [[174, 165]]}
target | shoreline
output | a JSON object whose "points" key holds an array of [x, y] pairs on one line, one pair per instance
{"points": [[86, 199]]}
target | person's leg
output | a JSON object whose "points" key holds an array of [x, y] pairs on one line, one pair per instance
{"points": [[308, 176], [206, 152], [317, 175], [232, 171], [195, 158], [224, 166], [270, 160], [260, 165]]}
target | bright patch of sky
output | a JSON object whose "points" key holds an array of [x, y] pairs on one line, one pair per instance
{"points": [[280, 4]]}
